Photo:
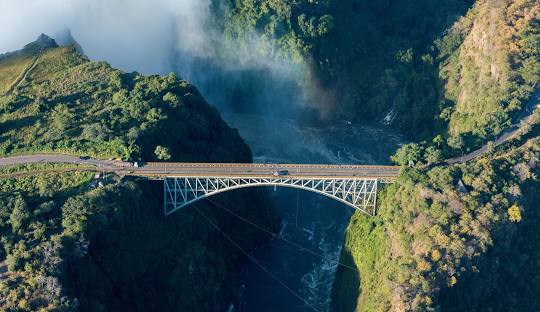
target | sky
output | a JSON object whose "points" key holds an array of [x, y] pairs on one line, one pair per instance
{"points": [[158, 37], [130, 34]]}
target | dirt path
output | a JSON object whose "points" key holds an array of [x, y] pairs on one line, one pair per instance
{"points": [[23, 76]]}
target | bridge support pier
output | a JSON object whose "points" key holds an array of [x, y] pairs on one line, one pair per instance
{"points": [[360, 193]]}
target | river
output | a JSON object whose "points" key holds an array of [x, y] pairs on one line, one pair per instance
{"points": [[308, 219], [266, 105]]}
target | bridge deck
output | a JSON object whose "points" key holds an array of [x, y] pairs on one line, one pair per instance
{"points": [[161, 170], [226, 170]]}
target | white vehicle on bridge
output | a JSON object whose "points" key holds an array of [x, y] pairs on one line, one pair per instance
{"points": [[278, 173]]}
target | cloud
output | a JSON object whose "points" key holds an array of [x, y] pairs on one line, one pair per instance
{"points": [[130, 34], [160, 36]]}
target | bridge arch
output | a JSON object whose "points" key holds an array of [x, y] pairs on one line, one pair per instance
{"points": [[359, 193]]}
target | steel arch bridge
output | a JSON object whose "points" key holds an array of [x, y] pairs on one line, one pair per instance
{"points": [[185, 183], [361, 194]]}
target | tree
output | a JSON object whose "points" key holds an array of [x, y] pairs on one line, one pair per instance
{"points": [[456, 142], [326, 23], [452, 281], [433, 155], [116, 79], [438, 140], [490, 146], [162, 153], [435, 255], [61, 117], [19, 214], [446, 114], [15, 259], [405, 56], [514, 213], [94, 131], [171, 78], [172, 99], [154, 115], [75, 212], [407, 153]]}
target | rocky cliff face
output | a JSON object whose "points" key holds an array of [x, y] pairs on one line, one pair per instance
{"points": [[493, 71], [42, 43], [444, 235]]}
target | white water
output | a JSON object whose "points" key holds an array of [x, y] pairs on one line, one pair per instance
{"points": [[310, 220]]}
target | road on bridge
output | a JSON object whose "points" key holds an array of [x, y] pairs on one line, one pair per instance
{"points": [[233, 170], [160, 170]]}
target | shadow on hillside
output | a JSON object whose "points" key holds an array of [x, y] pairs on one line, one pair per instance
{"points": [[18, 123], [387, 64], [139, 260], [346, 289], [507, 275]]}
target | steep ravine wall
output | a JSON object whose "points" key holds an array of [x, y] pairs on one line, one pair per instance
{"points": [[461, 237], [74, 243]]}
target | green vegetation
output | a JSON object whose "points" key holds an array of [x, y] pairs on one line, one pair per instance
{"points": [[460, 237], [11, 69], [162, 153], [466, 78], [436, 244], [491, 74], [70, 105], [30, 168], [454, 73], [372, 57], [70, 242]]}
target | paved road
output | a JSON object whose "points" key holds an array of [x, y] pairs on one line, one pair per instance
{"points": [[524, 119], [162, 170], [61, 159]]}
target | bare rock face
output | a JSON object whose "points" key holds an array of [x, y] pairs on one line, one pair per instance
{"points": [[43, 42]]}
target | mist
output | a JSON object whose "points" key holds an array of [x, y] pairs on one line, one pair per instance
{"points": [[162, 36], [133, 35]]}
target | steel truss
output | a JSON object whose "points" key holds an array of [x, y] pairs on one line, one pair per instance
{"points": [[360, 193]]}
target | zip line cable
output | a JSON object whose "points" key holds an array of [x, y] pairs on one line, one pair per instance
{"points": [[297, 205], [255, 261], [302, 248]]}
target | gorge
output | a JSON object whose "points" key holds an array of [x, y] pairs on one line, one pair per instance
{"points": [[340, 82]]}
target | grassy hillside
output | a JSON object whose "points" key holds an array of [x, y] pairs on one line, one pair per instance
{"points": [[69, 243], [491, 74], [461, 237], [436, 245], [11, 69], [68, 104]]}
